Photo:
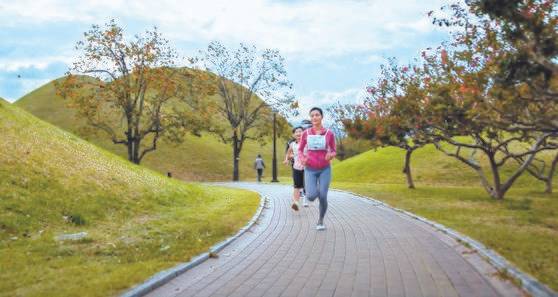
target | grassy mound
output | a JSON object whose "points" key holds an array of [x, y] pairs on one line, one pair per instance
{"points": [[198, 158], [138, 222], [428, 165]]}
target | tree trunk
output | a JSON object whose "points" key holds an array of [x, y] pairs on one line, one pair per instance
{"points": [[497, 190], [539, 174], [548, 186], [130, 145], [236, 157], [407, 169], [130, 150], [524, 166], [548, 182], [136, 151], [484, 181]]}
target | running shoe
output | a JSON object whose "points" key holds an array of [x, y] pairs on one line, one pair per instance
{"points": [[294, 206], [320, 227]]}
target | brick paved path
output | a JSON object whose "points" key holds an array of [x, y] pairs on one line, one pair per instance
{"points": [[367, 250]]}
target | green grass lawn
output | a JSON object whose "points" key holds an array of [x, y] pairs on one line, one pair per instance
{"points": [[203, 158], [138, 221], [429, 167], [523, 227]]}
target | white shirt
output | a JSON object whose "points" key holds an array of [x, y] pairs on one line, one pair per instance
{"points": [[297, 164]]}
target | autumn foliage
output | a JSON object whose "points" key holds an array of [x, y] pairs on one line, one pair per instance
{"points": [[489, 93], [392, 114], [132, 91]]}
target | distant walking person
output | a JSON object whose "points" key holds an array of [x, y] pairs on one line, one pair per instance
{"points": [[291, 157], [316, 149], [259, 166]]}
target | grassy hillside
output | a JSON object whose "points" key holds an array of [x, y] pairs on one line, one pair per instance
{"points": [[429, 167], [138, 221], [204, 158]]}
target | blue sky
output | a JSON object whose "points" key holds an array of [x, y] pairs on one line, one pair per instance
{"points": [[333, 48]]}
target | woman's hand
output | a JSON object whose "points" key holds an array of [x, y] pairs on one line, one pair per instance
{"points": [[288, 157], [330, 155]]}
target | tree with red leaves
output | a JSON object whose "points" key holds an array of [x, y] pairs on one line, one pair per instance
{"points": [[393, 113], [474, 111]]}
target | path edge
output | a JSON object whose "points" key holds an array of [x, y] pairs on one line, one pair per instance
{"points": [[167, 275], [526, 282]]}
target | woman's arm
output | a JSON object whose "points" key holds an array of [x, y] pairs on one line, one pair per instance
{"points": [[332, 149], [288, 155]]}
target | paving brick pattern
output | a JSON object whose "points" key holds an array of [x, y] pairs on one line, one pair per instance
{"points": [[367, 250]]}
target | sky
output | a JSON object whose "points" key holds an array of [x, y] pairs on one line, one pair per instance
{"points": [[333, 49]]}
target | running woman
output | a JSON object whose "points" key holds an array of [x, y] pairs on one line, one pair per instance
{"points": [[316, 149], [298, 169]]}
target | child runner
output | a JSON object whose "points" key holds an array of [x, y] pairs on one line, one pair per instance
{"points": [[316, 149], [297, 167], [291, 162]]}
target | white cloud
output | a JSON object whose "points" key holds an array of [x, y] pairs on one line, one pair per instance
{"points": [[40, 63], [325, 99], [352, 95], [45, 11], [319, 28], [372, 59], [322, 34]]}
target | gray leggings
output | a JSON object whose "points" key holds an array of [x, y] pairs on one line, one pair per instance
{"points": [[316, 182]]}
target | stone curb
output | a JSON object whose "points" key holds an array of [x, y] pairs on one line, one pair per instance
{"points": [[165, 276], [527, 282]]}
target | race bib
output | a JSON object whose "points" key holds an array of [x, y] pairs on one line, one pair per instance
{"points": [[316, 142]]}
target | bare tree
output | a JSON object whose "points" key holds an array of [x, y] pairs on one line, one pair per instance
{"points": [[251, 85]]}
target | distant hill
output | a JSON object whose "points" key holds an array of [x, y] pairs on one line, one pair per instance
{"points": [[428, 165], [198, 158]]}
